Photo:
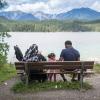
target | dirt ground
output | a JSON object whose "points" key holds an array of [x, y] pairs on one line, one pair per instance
{"points": [[92, 94]]}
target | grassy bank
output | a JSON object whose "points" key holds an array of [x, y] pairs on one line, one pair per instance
{"points": [[35, 87], [7, 72], [97, 68]]}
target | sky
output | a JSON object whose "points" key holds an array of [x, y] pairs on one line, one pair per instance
{"points": [[50, 6]]}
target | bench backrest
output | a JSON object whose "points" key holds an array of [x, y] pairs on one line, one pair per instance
{"points": [[55, 65]]}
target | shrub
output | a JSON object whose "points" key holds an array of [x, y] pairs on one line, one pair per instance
{"points": [[4, 48]]}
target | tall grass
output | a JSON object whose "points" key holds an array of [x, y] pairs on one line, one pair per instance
{"points": [[97, 68], [6, 72]]}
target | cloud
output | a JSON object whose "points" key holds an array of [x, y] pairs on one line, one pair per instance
{"points": [[57, 6], [96, 6], [27, 7], [51, 6], [57, 3], [14, 2]]}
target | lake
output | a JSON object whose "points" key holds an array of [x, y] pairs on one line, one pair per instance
{"points": [[88, 43]]}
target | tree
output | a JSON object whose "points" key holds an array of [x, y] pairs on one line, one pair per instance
{"points": [[2, 4], [4, 48]]}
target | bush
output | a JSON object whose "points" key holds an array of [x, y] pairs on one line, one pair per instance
{"points": [[4, 48], [6, 72]]}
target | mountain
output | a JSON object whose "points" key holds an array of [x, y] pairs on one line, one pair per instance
{"points": [[17, 15], [44, 16], [74, 14], [79, 14], [85, 14], [3, 18]]}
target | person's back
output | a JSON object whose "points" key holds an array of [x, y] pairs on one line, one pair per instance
{"points": [[69, 54]]}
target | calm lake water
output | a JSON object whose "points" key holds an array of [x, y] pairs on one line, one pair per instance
{"points": [[88, 43]]}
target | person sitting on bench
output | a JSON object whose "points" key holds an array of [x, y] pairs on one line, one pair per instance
{"points": [[52, 58], [69, 54]]}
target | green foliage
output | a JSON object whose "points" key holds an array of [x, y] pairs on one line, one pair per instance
{"points": [[35, 87], [3, 28], [48, 26], [6, 72], [4, 48], [43, 26], [97, 68]]}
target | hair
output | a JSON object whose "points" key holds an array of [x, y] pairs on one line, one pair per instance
{"points": [[51, 55], [68, 42]]}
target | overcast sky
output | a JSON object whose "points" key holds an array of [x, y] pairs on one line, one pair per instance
{"points": [[51, 6]]}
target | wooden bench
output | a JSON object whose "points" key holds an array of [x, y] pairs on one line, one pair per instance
{"points": [[82, 66]]}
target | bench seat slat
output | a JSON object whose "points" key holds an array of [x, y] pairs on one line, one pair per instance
{"points": [[66, 65], [59, 64]]}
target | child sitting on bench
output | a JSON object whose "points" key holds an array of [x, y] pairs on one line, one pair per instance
{"points": [[52, 58]]}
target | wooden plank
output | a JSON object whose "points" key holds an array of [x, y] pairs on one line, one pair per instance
{"points": [[20, 67], [56, 65], [67, 63]]}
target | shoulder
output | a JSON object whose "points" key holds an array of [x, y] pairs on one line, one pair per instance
{"points": [[76, 52], [75, 49], [63, 50]]}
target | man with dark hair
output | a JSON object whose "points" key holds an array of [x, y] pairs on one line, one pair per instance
{"points": [[69, 54]]}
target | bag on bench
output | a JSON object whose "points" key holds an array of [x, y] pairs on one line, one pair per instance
{"points": [[32, 55], [18, 53]]}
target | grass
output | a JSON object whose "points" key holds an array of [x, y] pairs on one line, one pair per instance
{"points": [[7, 72], [35, 87], [97, 68]]}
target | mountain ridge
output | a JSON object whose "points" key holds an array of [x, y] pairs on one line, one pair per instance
{"points": [[17, 15], [74, 14], [80, 14]]}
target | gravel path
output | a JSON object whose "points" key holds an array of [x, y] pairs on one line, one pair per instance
{"points": [[93, 94]]}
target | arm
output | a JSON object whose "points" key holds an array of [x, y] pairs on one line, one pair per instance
{"points": [[61, 56], [61, 59], [78, 56]]}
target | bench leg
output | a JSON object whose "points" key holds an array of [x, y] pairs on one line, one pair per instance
{"points": [[81, 75], [27, 73], [78, 76], [81, 81], [27, 79], [54, 77]]}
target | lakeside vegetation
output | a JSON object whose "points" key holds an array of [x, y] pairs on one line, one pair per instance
{"points": [[6, 72], [97, 68], [48, 26], [36, 87]]}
